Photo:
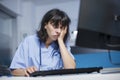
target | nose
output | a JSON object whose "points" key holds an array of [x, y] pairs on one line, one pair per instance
{"points": [[58, 30]]}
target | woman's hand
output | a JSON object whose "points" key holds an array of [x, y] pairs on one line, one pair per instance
{"points": [[62, 34], [68, 61], [23, 72], [30, 70]]}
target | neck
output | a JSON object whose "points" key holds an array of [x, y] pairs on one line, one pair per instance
{"points": [[48, 42]]}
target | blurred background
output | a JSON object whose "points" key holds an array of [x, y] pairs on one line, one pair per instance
{"points": [[94, 28]]}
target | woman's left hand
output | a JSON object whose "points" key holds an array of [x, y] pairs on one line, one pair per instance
{"points": [[62, 34]]}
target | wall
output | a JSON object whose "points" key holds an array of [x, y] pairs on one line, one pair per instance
{"points": [[6, 37], [27, 20], [13, 5]]}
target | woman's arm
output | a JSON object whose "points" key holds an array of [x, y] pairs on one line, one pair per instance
{"points": [[68, 60], [18, 72], [23, 72]]}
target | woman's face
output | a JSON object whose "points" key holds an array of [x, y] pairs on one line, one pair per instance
{"points": [[53, 31]]}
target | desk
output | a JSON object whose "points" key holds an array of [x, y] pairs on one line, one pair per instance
{"points": [[93, 76]]}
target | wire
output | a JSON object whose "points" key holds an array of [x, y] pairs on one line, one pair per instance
{"points": [[110, 58]]}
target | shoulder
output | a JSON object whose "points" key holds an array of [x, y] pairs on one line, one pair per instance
{"points": [[32, 39], [34, 36]]}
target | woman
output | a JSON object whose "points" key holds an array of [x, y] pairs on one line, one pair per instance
{"points": [[46, 50]]}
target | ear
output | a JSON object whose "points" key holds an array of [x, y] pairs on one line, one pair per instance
{"points": [[45, 26]]}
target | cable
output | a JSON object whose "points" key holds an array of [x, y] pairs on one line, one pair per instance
{"points": [[110, 58]]}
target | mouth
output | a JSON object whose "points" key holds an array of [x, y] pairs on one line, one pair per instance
{"points": [[56, 36]]}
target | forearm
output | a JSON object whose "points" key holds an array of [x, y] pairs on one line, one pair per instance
{"points": [[18, 72], [24, 72], [68, 61]]}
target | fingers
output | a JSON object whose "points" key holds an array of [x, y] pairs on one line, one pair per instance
{"points": [[30, 70], [64, 29], [26, 73], [34, 68], [62, 34]]}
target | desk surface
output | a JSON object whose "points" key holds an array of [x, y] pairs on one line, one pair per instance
{"points": [[93, 76]]}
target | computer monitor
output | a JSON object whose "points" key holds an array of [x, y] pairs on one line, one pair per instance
{"points": [[99, 24]]}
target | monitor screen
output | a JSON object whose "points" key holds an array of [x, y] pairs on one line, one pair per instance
{"points": [[99, 23]]}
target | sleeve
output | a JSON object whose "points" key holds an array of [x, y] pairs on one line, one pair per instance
{"points": [[20, 57]]}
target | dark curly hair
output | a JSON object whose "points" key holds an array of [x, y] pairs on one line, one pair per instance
{"points": [[54, 16]]}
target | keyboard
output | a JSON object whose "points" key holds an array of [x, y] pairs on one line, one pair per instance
{"points": [[66, 71]]}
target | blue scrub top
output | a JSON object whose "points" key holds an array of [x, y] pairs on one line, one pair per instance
{"points": [[32, 52]]}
